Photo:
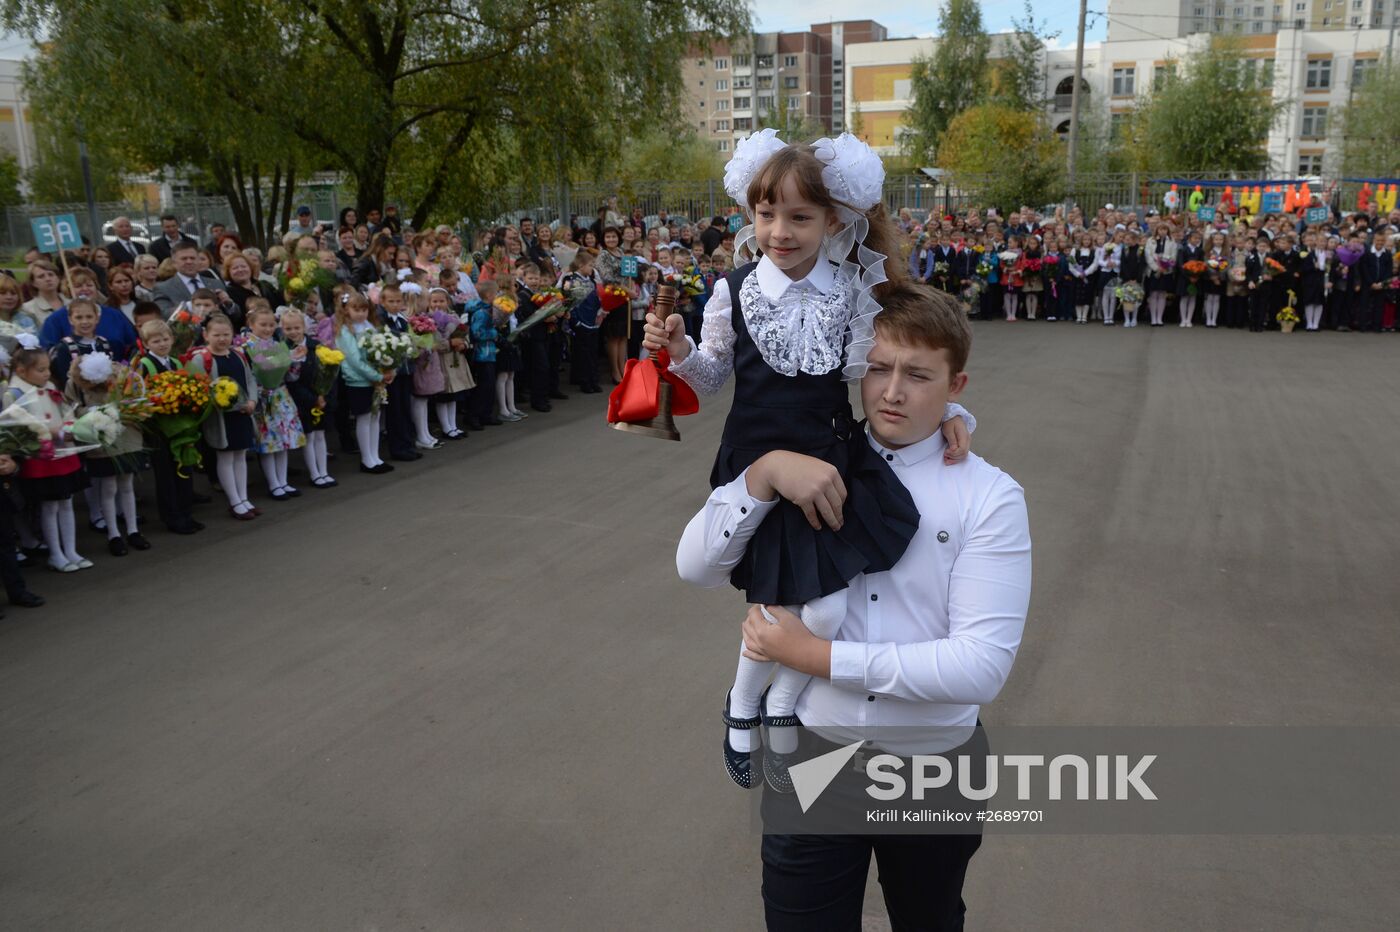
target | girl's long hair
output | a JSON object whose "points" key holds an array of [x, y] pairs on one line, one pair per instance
{"points": [[801, 162]]}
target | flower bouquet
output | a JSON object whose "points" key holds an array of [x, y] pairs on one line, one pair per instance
{"points": [[185, 330], [1165, 266], [548, 303], [270, 360], [423, 331], [23, 434], [328, 362], [1273, 267], [941, 271], [179, 403], [612, 297], [983, 270], [1194, 270], [971, 295], [101, 427], [386, 350], [1130, 293], [226, 392], [1287, 317], [303, 274]]}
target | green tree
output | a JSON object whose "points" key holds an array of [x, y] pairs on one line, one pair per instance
{"points": [[1016, 79], [793, 125], [948, 82], [1009, 156], [56, 177], [417, 92], [9, 180], [1367, 129], [1214, 115]]}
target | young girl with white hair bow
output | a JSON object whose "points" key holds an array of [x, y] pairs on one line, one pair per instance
{"points": [[789, 326]]}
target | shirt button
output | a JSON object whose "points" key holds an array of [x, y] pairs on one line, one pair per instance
{"points": [[889, 456], [743, 510], [726, 533], [874, 597], [869, 698]]}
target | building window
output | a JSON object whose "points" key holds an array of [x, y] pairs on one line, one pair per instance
{"points": [[1259, 11], [743, 123], [1200, 11], [1123, 81], [794, 103], [765, 102], [702, 82], [721, 126], [721, 105], [789, 61], [722, 84], [1239, 11], [1310, 164], [1356, 4], [723, 145], [1319, 76], [789, 83], [1299, 7], [1314, 123], [1258, 27], [742, 83], [702, 105], [741, 61], [765, 81], [1161, 74], [836, 63], [1360, 69], [1356, 21], [1117, 123], [741, 103], [764, 61], [1266, 72], [721, 64]]}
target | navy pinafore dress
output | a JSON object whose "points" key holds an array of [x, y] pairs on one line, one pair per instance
{"points": [[787, 562]]}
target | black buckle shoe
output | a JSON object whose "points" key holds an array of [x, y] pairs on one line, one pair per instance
{"points": [[775, 765], [738, 764]]}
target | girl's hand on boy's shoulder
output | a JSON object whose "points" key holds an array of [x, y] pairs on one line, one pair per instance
{"points": [[959, 440]]}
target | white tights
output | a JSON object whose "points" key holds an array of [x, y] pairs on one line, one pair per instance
{"points": [[1032, 302], [60, 532], [1081, 313], [1312, 313], [823, 617], [274, 467], [108, 489], [1108, 301], [314, 453], [1212, 308], [367, 436], [420, 422], [505, 399], [447, 416], [1188, 309], [1008, 304], [1130, 312], [1157, 305], [232, 467]]}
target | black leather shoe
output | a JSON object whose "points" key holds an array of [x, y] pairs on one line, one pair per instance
{"points": [[27, 599], [407, 457], [493, 421], [559, 396], [543, 409], [378, 470], [138, 542], [738, 764], [475, 424], [278, 496], [116, 546], [182, 528], [775, 765], [196, 525]]}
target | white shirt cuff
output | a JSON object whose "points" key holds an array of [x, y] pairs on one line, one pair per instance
{"points": [[848, 664], [734, 516]]}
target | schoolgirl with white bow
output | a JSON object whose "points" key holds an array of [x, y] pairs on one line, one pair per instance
{"points": [[790, 326]]}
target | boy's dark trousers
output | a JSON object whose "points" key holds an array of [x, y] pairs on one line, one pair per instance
{"points": [[483, 397], [556, 358], [535, 360], [174, 493], [399, 417], [9, 569], [585, 358]]}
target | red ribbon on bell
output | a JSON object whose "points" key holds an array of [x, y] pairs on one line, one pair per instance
{"points": [[635, 398]]}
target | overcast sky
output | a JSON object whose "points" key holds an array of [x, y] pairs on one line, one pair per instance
{"points": [[903, 18]]}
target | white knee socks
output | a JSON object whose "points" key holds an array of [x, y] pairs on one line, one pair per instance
{"points": [[420, 422], [1313, 315], [1212, 307], [367, 436]]}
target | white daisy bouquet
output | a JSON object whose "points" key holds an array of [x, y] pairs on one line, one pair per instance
{"points": [[385, 349]]}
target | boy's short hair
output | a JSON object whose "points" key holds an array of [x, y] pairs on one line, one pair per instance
{"points": [[916, 314], [257, 305], [204, 294], [525, 265], [152, 327], [145, 309], [489, 284]]}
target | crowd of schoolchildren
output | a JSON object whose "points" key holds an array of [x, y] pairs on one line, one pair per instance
{"points": [[176, 304], [1265, 272]]}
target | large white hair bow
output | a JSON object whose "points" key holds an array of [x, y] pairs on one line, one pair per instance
{"points": [[750, 155], [855, 176], [95, 367]]}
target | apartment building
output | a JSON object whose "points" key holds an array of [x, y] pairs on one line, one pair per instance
{"points": [[1148, 19]]}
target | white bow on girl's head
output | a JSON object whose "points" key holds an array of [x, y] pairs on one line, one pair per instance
{"points": [[750, 155], [27, 340], [95, 367], [853, 173]]}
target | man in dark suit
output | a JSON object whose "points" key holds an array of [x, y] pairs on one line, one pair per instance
{"points": [[1377, 268], [181, 286], [170, 237], [123, 249]]}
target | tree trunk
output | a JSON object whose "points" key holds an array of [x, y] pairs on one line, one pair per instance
{"points": [[428, 202]]}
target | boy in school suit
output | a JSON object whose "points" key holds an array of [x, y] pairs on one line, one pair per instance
{"points": [[1377, 267], [534, 343], [174, 491], [398, 410]]}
